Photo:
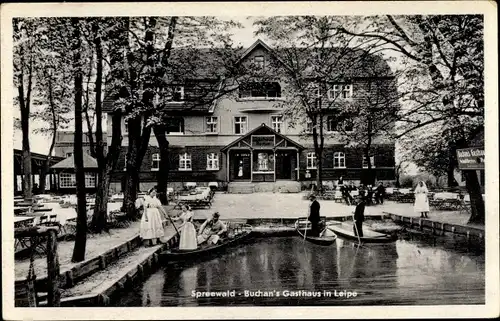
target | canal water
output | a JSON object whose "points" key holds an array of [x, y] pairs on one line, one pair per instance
{"points": [[415, 270]]}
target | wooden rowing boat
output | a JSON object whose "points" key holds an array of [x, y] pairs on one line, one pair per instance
{"points": [[369, 236], [325, 239], [235, 237]]}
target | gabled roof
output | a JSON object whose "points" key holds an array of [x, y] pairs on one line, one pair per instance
{"points": [[88, 162], [253, 46], [262, 127]]}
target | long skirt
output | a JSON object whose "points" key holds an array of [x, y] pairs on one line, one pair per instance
{"points": [[188, 237], [421, 203], [151, 225]]}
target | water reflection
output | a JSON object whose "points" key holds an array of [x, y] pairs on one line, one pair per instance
{"points": [[404, 272]]}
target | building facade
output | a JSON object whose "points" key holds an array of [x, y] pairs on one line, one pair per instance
{"points": [[64, 144], [244, 137]]}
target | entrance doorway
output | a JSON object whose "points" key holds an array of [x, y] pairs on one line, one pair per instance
{"points": [[283, 165], [240, 166]]}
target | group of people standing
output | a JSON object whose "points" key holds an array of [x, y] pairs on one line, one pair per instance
{"points": [[154, 218]]}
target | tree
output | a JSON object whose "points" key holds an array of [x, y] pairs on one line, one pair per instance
{"points": [[52, 87], [313, 59], [444, 64], [104, 30], [374, 114], [26, 34], [81, 220], [151, 77]]}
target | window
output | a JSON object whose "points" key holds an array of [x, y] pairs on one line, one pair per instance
{"points": [[175, 125], [372, 161], [125, 163], [155, 166], [343, 91], [240, 124], [178, 93], [259, 62], [346, 125], [89, 180], [212, 161], [334, 92], [185, 162], [47, 182], [263, 162], [331, 124], [211, 124], [338, 160], [277, 123], [19, 183], [309, 126], [69, 155], [67, 180], [265, 90], [347, 91], [311, 160]]}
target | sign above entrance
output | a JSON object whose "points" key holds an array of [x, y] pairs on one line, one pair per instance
{"points": [[263, 141], [471, 158]]}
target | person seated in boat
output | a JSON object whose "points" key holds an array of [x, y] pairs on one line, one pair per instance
{"points": [[359, 217], [211, 230], [314, 216]]}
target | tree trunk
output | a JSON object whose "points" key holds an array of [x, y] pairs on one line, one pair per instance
{"points": [[107, 165], [162, 176], [319, 157], [100, 216], [81, 221], [25, 118], [53, 293], [476, 198]]}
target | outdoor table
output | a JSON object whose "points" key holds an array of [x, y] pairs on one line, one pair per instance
{"points": [[21, 210], [23, 221], [19, 222]]}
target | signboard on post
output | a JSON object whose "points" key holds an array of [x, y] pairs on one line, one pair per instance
{"points": [[471, 158]]}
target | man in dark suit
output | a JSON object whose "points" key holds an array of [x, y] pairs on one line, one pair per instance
{"points": [[380, 193], [359, 217], [314, 216]]}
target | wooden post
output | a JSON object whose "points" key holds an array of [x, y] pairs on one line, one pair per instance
{"points": [[53, 295]]}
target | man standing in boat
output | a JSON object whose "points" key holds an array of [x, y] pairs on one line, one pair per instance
{"points": [[314, 216], [211, 230], [359, 217]]}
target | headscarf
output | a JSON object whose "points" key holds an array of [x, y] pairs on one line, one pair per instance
{"points": [[421, 189]]}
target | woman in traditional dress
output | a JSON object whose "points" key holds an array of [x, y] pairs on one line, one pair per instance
{"points": [[421, 201], [188, 232], [151, 229]]}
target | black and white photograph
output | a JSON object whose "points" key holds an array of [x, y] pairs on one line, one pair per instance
{"points": [[234, 160]]}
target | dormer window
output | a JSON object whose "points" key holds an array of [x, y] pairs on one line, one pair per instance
{"points": [[259, 62], [341, 91], [178, 93]]}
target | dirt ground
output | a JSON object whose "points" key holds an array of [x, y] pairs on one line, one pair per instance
{"points": [[292, 205]]}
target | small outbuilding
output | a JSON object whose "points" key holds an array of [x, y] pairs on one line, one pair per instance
{"points": [[65, 170]]}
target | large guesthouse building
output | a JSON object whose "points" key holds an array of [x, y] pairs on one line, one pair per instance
{"points": [[244, 138]]}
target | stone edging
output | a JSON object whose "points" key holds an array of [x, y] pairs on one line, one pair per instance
{"points": [[437, 227], [83, 269], [137, 273]]}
